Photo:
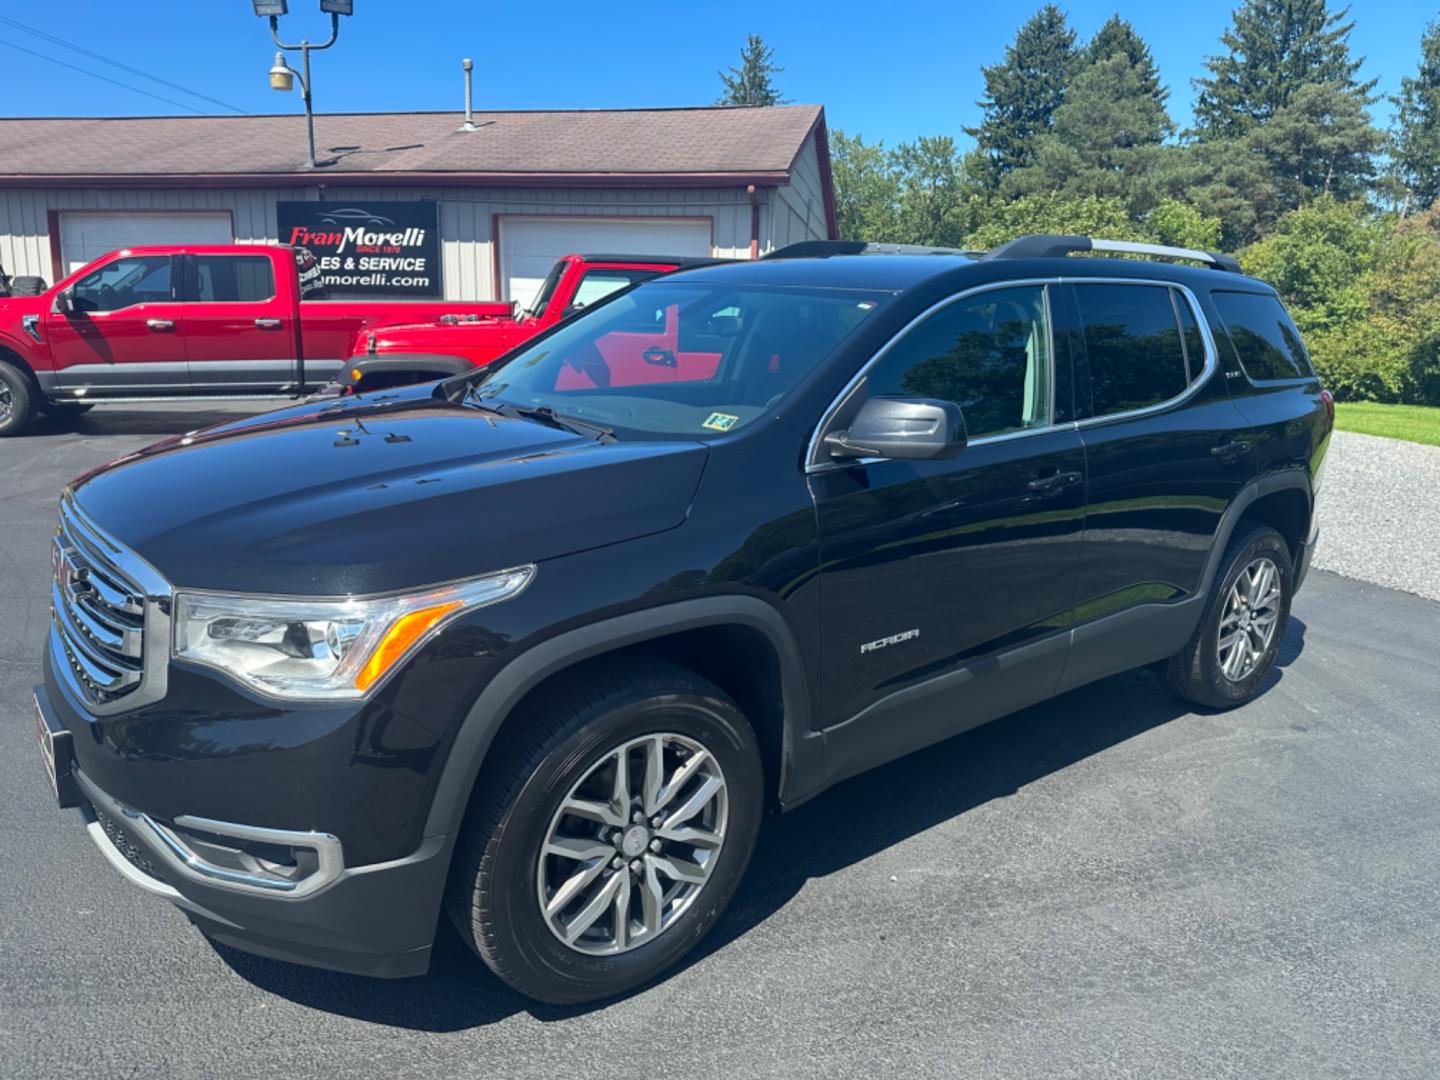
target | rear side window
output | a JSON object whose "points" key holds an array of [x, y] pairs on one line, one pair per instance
{"points": [[989, 353], [233, 278], [1264, 339], [1132, 341]]}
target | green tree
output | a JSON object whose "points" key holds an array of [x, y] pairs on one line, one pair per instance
{"points": [[1181, 225], [1322, 141], [753, 82], [867, 189], [1417, 132], [1022, 93], [1317, 257], [1118, 38], [933, 192], [1004, 219], [1275, 48], [1104, 141]]}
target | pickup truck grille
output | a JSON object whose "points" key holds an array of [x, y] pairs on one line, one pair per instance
{"points": [[99, 614]]}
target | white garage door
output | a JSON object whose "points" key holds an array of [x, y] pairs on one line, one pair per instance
{"points": [[86, 236], [529, 246]]}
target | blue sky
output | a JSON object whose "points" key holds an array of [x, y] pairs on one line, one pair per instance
{"points": [[889, 71]]}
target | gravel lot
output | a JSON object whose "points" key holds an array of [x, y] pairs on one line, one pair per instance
{"points": [[1380, 513], [1105, 885]]}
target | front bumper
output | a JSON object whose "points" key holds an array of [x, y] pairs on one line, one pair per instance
{"points": [[376, 919]]}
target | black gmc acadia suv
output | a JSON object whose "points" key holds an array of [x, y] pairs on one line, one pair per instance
{"points": [[540, 643]]}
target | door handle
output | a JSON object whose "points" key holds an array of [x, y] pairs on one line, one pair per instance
{"points": [[658, 356], [160, 324], [268, 324], [1054, 483], [1229, 451]]}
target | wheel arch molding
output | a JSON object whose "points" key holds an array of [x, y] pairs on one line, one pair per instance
{"points": [[1289, 480], [497, 701]]}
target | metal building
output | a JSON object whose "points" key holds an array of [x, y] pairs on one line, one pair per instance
{"points": [[506, 195]]}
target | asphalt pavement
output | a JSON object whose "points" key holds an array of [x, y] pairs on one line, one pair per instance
{"points": [[1105, 885]]}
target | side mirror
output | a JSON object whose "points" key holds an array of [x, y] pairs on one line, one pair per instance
{"points": [[572, 310], [912, 428], [65, 302]]}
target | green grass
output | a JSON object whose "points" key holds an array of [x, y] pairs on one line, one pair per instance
{"points": [[1413, 423]]}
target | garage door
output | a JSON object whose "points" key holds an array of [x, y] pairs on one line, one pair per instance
{"points": [[86, 236], [529, 246]]}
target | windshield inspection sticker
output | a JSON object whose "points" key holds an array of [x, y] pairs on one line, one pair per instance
{"points": [[720, 421]]}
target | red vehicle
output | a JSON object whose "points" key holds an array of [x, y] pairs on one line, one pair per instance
{"points": [[150, 323], [397, 355]]}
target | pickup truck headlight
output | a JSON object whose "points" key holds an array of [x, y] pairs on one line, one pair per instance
{"points": [[323, 650]]}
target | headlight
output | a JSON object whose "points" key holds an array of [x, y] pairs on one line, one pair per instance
{"points": [[323, 649]]}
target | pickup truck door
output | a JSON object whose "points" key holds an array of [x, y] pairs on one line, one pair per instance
{"points": [[124, 334], [242, 332]]}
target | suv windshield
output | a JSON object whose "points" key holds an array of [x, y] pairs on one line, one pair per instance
{"points": [[676, 357]]}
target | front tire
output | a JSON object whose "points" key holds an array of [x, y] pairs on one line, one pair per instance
{"points": [[17, 400], [1235, 645], [608, 836]]}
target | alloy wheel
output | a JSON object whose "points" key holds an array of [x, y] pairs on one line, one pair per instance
{"points": [[632, 844], [1247, 624], [7, 402]]}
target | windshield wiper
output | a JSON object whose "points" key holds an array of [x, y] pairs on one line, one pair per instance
{"points": [[545, 414]]}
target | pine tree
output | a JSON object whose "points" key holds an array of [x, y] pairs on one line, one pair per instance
{"points": [[1118, 38], [1023, 92], [1417, 134], [752, 83], [1275, 48], [1106, 135]]}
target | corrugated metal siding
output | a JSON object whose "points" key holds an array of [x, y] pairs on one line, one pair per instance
{"points": [[466, 216]]}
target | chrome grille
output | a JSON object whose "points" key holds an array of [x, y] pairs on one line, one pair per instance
{"points": [[101, 613]]}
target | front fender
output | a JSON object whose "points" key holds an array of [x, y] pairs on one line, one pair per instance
{"points": [[799, 765]]}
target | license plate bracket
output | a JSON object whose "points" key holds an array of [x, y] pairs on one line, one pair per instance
{"points": [[56, 743]]}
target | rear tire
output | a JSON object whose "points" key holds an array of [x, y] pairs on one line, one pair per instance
{"points": [[1235, 645], [17, 400], [567, 749], [27, 286]]}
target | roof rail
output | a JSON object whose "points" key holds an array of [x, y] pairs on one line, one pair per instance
{"points": [[823, 249], [1051, 245]]}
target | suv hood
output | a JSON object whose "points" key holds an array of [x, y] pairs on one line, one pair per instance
{"points": [[373, 498]]}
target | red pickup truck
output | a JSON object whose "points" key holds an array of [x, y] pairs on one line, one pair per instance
{"points": [[151, 323], [398, 355]]}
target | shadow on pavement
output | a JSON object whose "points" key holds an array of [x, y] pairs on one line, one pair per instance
{"points": [[147, 420], [849, 823]]}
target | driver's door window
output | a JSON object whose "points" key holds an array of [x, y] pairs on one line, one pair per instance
{"points": [[137, 279]]}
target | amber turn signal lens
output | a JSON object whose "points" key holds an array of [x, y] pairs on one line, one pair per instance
{"points": [[355, 374], [407, 630]]}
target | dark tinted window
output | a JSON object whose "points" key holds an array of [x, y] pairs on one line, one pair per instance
{"points": [[989, 353], [1132, 342], [233, 278], [137, 279], [1190, 334], [1265, 340]]}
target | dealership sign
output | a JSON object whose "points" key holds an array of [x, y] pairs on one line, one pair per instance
{"points": [[368, 247]]}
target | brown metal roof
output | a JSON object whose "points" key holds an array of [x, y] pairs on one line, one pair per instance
{"points": [[702, 144]]}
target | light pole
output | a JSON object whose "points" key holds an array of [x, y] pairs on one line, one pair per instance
{"points": [[282, 76]]}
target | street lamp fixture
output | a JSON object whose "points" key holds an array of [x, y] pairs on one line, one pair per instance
{"points": [[282, 75]]}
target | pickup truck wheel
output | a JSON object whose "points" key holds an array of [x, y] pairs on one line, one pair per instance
{"points": [[608, 838], [17, 400], [1239, 635]]}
